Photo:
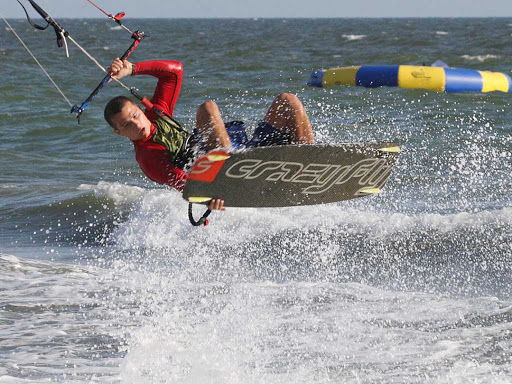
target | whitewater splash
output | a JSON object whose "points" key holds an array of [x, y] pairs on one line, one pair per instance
{"points": [[167, 208], [165, 211], [263, 294]]}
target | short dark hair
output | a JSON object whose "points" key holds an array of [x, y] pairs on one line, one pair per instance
{"points": [[115, 106]]}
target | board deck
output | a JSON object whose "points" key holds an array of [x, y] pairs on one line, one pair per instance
{"points": [[291, 175]]}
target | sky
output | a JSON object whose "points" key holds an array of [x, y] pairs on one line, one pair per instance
{"points": [[267, 8]]}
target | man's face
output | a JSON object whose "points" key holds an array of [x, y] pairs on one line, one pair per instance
{"points": [[132, 123]]}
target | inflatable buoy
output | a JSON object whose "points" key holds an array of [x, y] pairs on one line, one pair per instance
{"points": [[410, 77]]}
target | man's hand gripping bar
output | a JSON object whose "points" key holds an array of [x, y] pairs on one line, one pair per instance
{"points": [[137, 37]]}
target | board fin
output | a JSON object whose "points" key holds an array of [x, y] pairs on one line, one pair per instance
{"points": [[368, 191], [198, 199], [394, 149], [218, 156]]}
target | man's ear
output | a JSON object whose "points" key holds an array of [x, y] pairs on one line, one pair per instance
{"points": [[116, 131]]}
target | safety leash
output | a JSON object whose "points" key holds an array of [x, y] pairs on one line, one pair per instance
{"points": [[117, 17], [59, 31]]}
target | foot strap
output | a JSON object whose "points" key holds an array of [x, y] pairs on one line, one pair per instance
{"points": [[202, 221]]}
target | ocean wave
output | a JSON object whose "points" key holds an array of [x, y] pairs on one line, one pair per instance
{"points": [[120, 194], [132, 217], [441, 33], [159, 219], [480, 58], [11, 263], [86, 216], [353, 37]]}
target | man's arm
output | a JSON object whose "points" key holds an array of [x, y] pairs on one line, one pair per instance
{"points": [[169, 74]]}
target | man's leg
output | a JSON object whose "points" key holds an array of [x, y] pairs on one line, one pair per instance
{"points": [[210, 124], [287, 114]]}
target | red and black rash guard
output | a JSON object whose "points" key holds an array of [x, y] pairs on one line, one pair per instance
{"points": [[153, 158]]}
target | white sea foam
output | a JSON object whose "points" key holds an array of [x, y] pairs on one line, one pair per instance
{"points": [[58, 320], [9, 259], [441, 33], [305, 332], [116, 28], [480, 58], [119, 193], [443, 223], [353, 37], [159, 219], [14, 264]]}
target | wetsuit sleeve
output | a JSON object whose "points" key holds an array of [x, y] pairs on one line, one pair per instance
{"points": [[156, 166], [169, 74]]}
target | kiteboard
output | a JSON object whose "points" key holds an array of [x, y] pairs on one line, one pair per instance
{"points": [[291, 175]]}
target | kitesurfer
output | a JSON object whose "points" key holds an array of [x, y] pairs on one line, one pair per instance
{"points": [[164, 150]]}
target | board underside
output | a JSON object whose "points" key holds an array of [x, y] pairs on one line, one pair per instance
{"points": [[291, 175]]}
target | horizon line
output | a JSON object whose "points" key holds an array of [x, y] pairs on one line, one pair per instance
{"points": [[275, 17]]}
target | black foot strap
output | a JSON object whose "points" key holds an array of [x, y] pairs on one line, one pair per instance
{"points": [[202, 221]]}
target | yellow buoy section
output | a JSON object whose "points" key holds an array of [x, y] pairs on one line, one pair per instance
{"points": [[412, 77], [340, 76], [495, 81]]}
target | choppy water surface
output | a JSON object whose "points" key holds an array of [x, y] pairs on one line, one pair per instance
{"points": [[104, 280]]}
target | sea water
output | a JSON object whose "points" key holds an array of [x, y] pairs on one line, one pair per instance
{"points": [[103, 279]]}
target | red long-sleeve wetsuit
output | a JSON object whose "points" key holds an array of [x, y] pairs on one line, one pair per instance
{"points": [[153, 158]]}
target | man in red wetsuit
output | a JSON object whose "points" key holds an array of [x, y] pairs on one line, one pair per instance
{"points": [[164, 150]]}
